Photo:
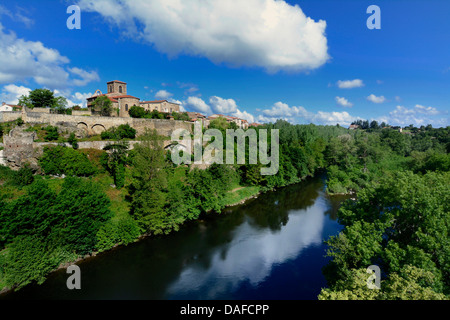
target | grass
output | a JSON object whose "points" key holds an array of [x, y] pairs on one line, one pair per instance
{"points": [[236, 196]]}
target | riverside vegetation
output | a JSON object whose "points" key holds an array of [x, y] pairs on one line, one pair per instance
{"points": [[87, 201]]}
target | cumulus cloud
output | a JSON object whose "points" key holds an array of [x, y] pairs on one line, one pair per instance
{"points": [[11, 93], [270, 34], [163, 95], [197, 104], [217, 105], [22, 60], [376, 99], [344, 102], [419, 115], [350, 84], [294, 114], [220, 105]]}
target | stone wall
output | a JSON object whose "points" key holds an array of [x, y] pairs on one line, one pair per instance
{"points": [[94, 124], [9, 116]]}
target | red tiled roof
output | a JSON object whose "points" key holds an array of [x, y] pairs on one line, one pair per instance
{"points": [[158, 101], [116, 81], [124, 96]]}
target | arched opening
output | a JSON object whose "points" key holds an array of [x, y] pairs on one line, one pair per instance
{"points": [[98, 129], [126, 107], [120, 89]]}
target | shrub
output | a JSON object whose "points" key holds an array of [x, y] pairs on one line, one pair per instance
{"points": [[52, 133], [59, 160]]}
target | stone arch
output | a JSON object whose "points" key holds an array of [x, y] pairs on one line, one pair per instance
{"points": [[83, 126], [98, 128], [177, 146]]}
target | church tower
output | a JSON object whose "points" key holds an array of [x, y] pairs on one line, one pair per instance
{"points": [[117, 88]]}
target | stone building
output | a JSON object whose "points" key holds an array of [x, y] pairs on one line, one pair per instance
{"points": [[122, 101], [161, 106], [117, 94]]}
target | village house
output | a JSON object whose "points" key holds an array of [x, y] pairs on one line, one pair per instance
{"points": [[161, 106], [9, 107], [241, 123]]}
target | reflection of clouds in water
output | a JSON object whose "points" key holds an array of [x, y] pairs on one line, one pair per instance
{"points": [[252, 253]]}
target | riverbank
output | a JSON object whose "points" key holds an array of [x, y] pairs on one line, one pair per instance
{"points": [[207, 255], [237, 196]]}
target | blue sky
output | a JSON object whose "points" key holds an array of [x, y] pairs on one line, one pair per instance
{"points": [[303, 61]]}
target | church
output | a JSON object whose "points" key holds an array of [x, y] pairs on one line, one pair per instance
{"points": [[121, 101]]}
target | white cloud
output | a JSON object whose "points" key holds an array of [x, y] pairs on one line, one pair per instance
{"points": [[244, 115], [333, 118], [17, 16], [294, 114], [21, 60], [270, 34], [376, 99], [344, 102], [350, 84], [426, 110], [198, 105], [86, 76], [163, 95], [11, 93], [219, 105], [419, 115]]}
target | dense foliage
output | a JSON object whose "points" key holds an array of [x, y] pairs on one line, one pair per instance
{"points": [[42, 228], [398, 222], [400, 219], [60, 160]]}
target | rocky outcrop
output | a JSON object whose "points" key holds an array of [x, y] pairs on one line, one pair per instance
{"points": [[18, 149]]}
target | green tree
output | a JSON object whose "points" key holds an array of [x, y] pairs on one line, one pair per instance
{"points": [[115, 160], [103, 105], [137, 112], [39, 98], [149, 184]]}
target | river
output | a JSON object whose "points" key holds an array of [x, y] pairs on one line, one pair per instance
{"points": [[268, 248]]}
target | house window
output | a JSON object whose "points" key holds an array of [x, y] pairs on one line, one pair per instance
{"points": [[120, 89], [126, 107]]}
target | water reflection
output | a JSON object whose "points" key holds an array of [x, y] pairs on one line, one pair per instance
{"points": [[252, 253]]}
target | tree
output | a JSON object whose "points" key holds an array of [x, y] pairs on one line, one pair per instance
{"points": [[114, 161], [401, 224], [103, 105], [42, 98], [148, 196], [137, 112], [374, 125]]}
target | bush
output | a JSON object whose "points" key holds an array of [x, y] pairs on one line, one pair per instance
{"points": [[59, 160], [123, 231], [52, 133], [137, 112], [30, 259], [124, 131], [24, 176]]}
